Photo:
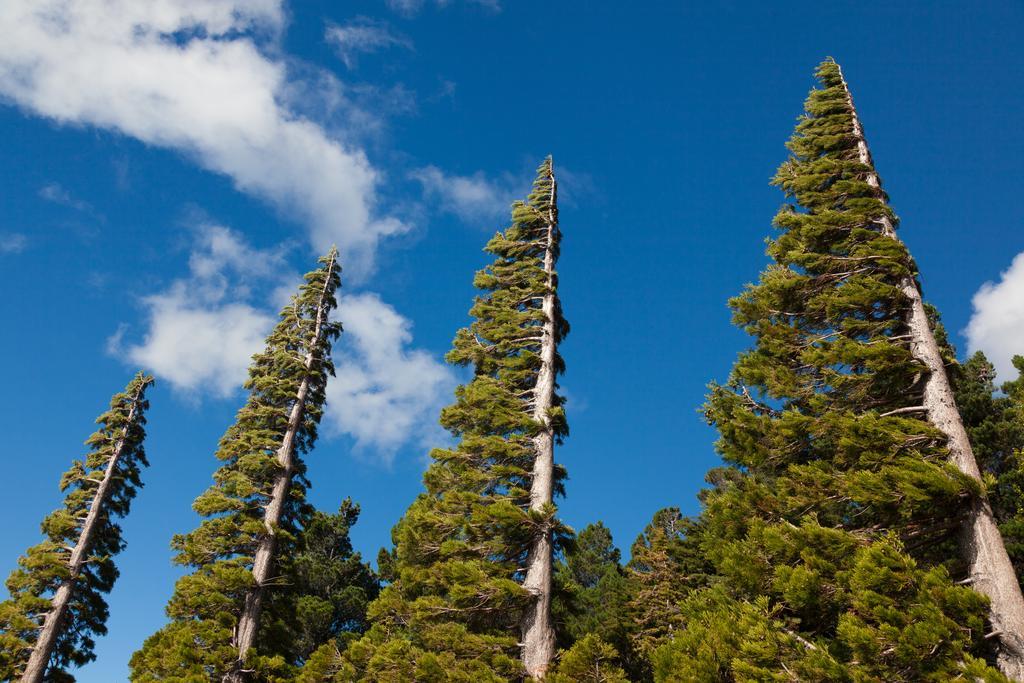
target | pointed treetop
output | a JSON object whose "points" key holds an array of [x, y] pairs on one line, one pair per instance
{"points": [[140, 381]]}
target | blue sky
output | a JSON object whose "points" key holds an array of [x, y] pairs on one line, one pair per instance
{"points": [[167, 174]]}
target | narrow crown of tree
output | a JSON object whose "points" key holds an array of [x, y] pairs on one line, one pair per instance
{"points": [[256, 507], [454, 606], [666, 563], [56, 604], [830, 532]]}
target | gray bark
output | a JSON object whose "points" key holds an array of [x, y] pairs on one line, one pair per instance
{"points": [[42, 651], [989, 569], [248, 622], [538, 634]]}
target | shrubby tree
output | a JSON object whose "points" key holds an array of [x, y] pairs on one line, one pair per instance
{"points": [[995, 423], [589, 660], [593, 593], [666, 564], [328, 586], [56, 604]]}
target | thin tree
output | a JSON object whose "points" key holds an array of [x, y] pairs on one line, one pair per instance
{"points": [[317, 349], [989, 568], [538, 633], [666, 563], [56, 602], [470, 576], [256, 508]]}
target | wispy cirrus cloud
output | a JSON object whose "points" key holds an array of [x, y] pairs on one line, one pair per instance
{"points": [[362, 36], [411, 8], [473, 197], [12, 242], [57, 194]]}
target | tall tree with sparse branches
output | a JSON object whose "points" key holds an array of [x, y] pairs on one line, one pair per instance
{"points": [[56, 604], [471, 571], [256, 509]]}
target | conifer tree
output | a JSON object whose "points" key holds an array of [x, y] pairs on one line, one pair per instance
{"points": [[666, 563], [56, 604], [846, 474], [592, 590], [255, 510], [328, 586], [589, 660], [995, 425], [989, 568], [473, 553]]}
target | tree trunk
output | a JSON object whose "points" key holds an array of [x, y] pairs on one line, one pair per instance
{"points": [[47, 640], [538, 635], [248, 622], [989, 568]]}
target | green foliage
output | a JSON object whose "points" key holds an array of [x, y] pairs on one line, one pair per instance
{"points": [[329, 587], [868, 614], [452, 609], [590, 660], [206, 604], [995, 424], [824, 529], [667, 564], [592, 595], [46, 566]]}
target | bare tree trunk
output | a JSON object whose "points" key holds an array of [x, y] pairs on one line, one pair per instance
{"points": [[989, 569], [538, 634], [42, 651], [248, 622]]}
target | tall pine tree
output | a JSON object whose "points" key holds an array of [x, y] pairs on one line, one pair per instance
{"points": [[255, 510], [847, 478], [989, 568], [56, 604], [471, 572]]}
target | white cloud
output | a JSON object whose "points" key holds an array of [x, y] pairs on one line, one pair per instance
{"points": [[997, 324], [208, 78], [200, 346], [196, 76], [385, 393], [410, 8], [12, 242], [203, 330], [55, 193], [362, 35], [471, 198]]}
